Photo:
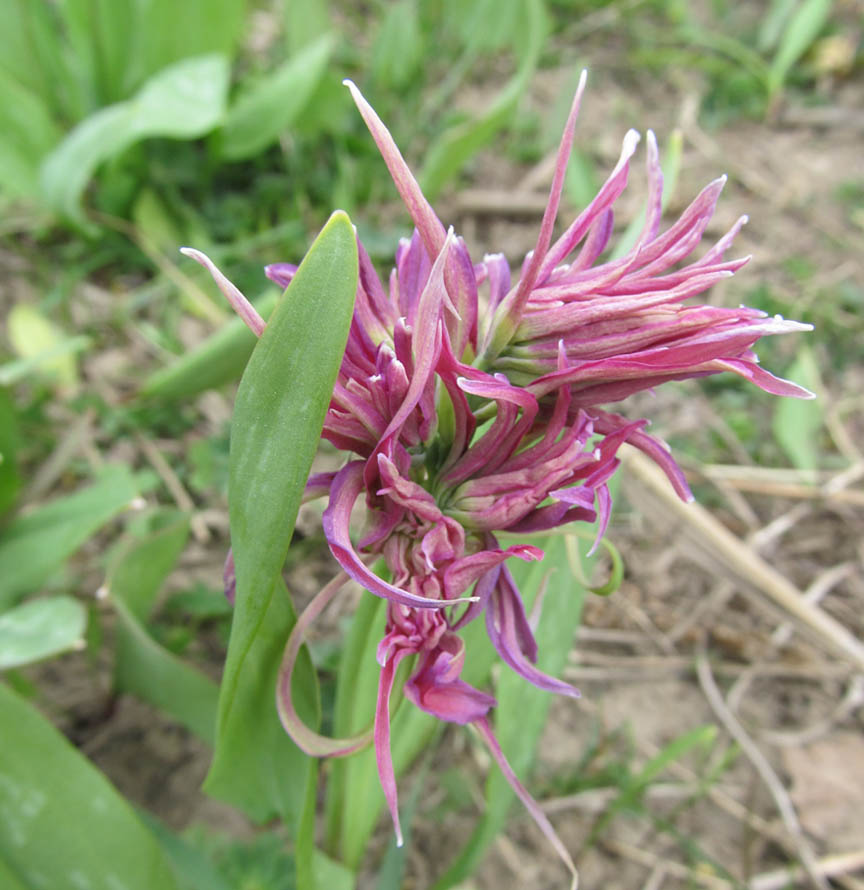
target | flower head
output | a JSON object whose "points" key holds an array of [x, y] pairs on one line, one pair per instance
{"points": [[474, 404]]}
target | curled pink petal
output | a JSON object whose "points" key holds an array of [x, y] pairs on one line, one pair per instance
{"points": [[306, 739]]}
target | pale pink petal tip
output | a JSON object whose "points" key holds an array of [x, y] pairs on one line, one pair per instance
{"points": [[232, 293]]}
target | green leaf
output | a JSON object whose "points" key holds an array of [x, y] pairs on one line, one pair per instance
{"points": [[521, 713], [184, 101], [798, 422], [33, 547], [29, 133], [10, 440], [39, 629], [192, 867], [141, 563], [220, 359], [256, 766], [305, 22], [773, 22], [148, 670], [279, 412], [803, 28], [455, 146], [398, 50], [20, 369], [32, 336], [269, 107], [62, 822], [700, 737], [104, 37], [139, 568], [170, 31]]}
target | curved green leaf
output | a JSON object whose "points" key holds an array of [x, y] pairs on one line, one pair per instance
{"points": [[40, 629], [280, 408], [62, 824], [220, 359], [271, 105], [184, 101], [33, 547]]}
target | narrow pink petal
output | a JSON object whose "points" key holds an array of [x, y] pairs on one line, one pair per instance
{"points": [[238, 302], [430, 227], [509, 312], [609, 192], [537, 814], [383, 756], [426, 347]]}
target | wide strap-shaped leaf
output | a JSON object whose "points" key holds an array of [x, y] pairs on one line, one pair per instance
{"points": [[39, 629], [62, 824], [33, 547], [278, 416]]}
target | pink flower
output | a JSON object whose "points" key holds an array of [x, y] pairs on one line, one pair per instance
{"points": [[475, 404]]}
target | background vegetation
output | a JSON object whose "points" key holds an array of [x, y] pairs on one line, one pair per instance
{"points": [[130, 129]]}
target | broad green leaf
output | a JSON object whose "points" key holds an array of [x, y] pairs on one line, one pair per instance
{"points": [[256, 766], [10, 440], [104, 37], [269, 107], [29, 133], [32, 335], [220, 359], [797, 422], [803, 28], [62, 824], [398, 49], [33, 547], [773, 23], [141, 563], [151, 672], [192, 868], [331, 875], [521, 713], [139, 568], [184, 101], [305, 22], [171, 31], [32, 52], [279, 412], [39, 629]]}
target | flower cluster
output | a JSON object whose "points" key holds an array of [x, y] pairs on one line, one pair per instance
{"points": [[472, 405]]}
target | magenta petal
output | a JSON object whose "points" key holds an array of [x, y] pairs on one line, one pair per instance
{"points": [[281, 273], [229, 578], [462, 573], [537, 814], [511, 636], [383, 756], [427, 222], [306, 739], [346, 488], [238, 302]]}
